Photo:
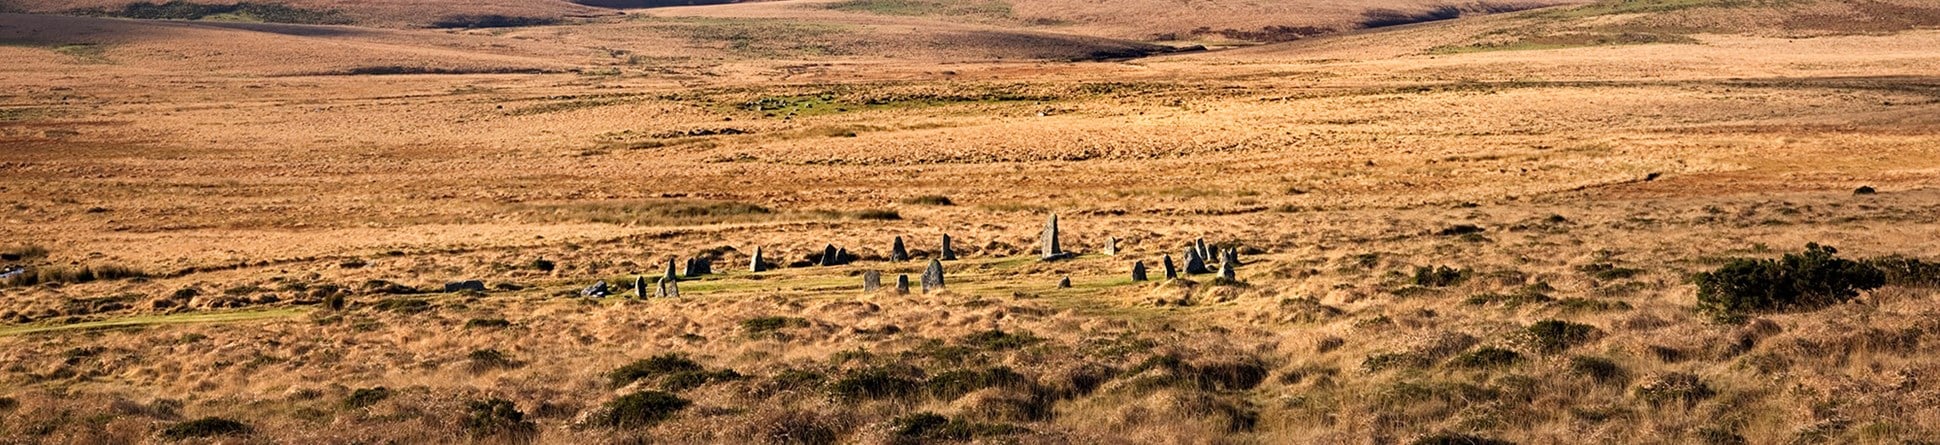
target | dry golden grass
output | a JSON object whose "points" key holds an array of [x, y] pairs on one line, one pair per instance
{"points": [[257, 184]]}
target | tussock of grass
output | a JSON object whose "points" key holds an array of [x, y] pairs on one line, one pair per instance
{"points": [[73, 275]]}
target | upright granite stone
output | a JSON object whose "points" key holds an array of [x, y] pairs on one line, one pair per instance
{"points": [[902, 284], [1195, 264], [1228, 270], [597, 290], [1200, 246], [1231, 256], [1138, 271], [871, 281], [668, 288], [948, 254], [754, 264], [1064, 283], [1050, 249], [698, 267], [670, 271], [897, 252], [830, 256], [640, 287], [1111, 246], [933, 277], [1171, 272]]}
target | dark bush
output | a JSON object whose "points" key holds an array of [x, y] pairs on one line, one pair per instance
{"points": [[1446, 438], [204, 427], [931, 200], [1439, 276], [928, 427], [497, 417], [490, 21], [997, 339], [1461, 229], [544, 265], [768, 326], [364, 397], [1676, 387], [66, 275], [405, 306], [1808, 280], [1553, 336], [1487, 358], [660, 365], [879, 383], [879, 215], [487, 323], [953, 384], [685, 380], [1600, 369], [1909, 272], [180, 10], [488, 359], [640, 409], [1607, 271]]}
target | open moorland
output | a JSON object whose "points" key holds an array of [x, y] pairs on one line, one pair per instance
{"points": [[1620, 221]]}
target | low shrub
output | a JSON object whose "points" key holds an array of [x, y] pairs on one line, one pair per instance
{"points": [[1487, 358], [640, 409], [487, 323], [364, 397], [880, 382], [657, 366], [497, 417], [1447, 438], [1438, 276], [1676, 387], [72, 275], [953, 384], [931, 200], [997, 339], [769, 326], [1909, 272], [204, 427], [1807, 280], [1553, 336], [1600, 369]]}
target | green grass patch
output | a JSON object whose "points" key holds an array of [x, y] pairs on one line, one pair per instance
{"points": [[1563, 41], [986, 9], [237, 12], [154, 320]]}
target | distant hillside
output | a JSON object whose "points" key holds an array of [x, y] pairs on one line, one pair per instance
{"points": [[379, 13]]}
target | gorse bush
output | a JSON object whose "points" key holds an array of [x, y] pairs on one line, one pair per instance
{"points": [[1553, 336], [640, 409], [657, 366], [497, 417], [1807, 280]]}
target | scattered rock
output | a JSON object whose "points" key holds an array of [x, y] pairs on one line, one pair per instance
{"points": [[597, 290], [455, 286]]}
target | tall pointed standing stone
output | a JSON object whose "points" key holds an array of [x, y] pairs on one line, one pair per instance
{"points": [[871, 281], [1232, 256], [948, 254], [754, 265], [1200, 247], [640, 287], [1195, 264], [1111, 246], [897, 252], [668, 288], [902, 284], [1051, 250], [933, 277], [1064, 283], [1228, 270], [1171, 272], [1138, 271], [670, 271]]}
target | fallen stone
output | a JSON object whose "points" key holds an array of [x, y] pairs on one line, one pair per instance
{"points": [[597, 290]]}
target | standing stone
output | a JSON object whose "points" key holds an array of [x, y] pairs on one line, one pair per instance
{"points": [[897, 252], [1111, 246], [1201, 248], [1228, 270], [1195, 264], [1064, 283], [1171, 272], [1050, 249], [669, 288], [829, 255], [640, 287], [871, 281], [902, 284], [597, 290], [1232, 256], [933, 277], [948, 254], [842, 256], [754, 265], [697, 267], [1138, 271], [670, 276]]}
